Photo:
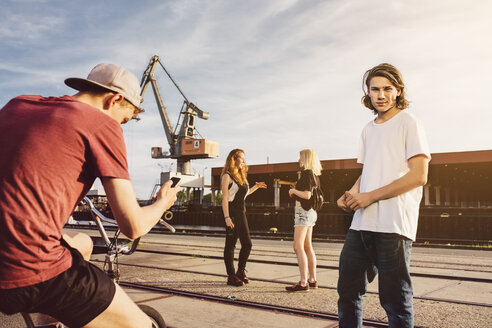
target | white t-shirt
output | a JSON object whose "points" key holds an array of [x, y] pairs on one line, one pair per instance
{"points": [[384, 151]]}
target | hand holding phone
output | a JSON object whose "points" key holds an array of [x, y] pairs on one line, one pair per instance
{"points": [[175, 181]]}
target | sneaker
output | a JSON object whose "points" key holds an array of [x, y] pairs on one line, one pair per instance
{"points": [[233, 280], [241, 274], [297, 288], [313, 284]]}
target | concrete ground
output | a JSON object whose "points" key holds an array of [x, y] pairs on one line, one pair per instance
{"points": [[206, 275], [268, 280]]}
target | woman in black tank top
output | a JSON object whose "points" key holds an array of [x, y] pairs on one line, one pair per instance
{"points": [[304, 220], [235, 189]]}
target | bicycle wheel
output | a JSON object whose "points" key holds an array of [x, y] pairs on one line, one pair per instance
{"points": [[155, 317]]}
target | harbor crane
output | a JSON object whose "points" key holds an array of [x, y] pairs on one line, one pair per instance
{"points": [[183, 144]]}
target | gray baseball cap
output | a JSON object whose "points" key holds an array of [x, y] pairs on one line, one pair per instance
{"points": [[112, 78]]}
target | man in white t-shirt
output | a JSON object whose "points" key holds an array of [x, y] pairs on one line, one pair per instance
{"points": [[386, 197]]}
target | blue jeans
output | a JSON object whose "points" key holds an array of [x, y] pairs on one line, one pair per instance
{"points": [[364, 255]]}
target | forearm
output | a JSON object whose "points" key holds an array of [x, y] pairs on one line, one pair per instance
{"points": [[134, 221], [409, 181], [225, 206], [225, 202], [224, 187], [415, 177], [302, 194], [148, 216], [252, 189]]}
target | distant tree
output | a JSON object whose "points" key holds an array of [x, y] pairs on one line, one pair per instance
{"points": [[218, 198], [181, 196]]}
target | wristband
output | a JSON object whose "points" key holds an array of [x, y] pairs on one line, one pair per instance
{"points": [[225, 217]]}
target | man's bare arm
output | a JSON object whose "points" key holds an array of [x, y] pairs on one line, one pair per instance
{"points": [[416, 177], [133, 220]]}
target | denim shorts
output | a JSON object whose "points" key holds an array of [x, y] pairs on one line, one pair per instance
{"points": [[304, 218]]}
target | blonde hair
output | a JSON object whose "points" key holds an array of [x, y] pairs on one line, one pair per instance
{"points": [[310, 161], [239, 174]]}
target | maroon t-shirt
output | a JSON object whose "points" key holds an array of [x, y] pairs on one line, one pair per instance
{"points": [[51, 151]]}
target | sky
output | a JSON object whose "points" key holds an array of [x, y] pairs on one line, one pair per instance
{"points": [[276, 76]]}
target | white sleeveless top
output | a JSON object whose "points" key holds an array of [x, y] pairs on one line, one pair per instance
{"points": [[233, 189]]}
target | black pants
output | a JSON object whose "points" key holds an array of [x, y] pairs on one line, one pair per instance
{"points": [[241, 231]]}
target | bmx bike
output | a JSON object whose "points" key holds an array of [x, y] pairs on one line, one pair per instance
{"points": [[112, 251]]}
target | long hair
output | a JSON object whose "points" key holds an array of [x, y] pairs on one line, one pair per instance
{"points": [[393, 75], [240, 174], [311, 161]]}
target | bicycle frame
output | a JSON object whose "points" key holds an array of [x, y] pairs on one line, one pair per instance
{"points": [[111, 257]]}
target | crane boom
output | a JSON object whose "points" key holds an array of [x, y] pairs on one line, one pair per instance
{"points": [[148, 77], [182, 145]]}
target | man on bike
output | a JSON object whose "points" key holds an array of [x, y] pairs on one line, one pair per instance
{"points": [[52, 150]]}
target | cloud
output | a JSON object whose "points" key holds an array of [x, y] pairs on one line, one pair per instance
{"points": [[276, 76], [18, 31], [291, 79]]}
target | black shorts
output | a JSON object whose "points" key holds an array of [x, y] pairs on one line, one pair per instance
{"points": [[74, 297]]}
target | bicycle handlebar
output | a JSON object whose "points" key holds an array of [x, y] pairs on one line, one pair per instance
{"points": [[167, 225], [112, 221], [98, 216]]}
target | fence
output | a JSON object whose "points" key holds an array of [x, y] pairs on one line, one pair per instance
{"points": [[442, 226]]}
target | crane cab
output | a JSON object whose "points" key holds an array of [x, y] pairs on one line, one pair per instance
{"points": [[199, 148]]}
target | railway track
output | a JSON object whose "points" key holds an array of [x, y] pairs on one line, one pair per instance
{"points": [[192, 267], [219, 232], [283, 282], [335, 257], [249, 304], [320, 266]]}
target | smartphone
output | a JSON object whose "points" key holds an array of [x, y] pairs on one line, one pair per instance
{"points": [[175, 181]]}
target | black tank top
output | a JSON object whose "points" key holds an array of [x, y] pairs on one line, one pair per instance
{"points": [[238, 193]]}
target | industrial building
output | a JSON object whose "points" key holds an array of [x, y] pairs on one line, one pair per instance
{"points": [[457, 179]]}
